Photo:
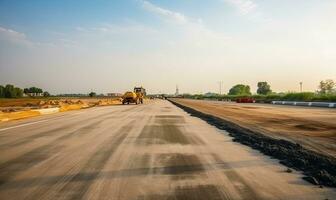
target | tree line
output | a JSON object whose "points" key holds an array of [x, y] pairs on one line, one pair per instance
{"points": [[10, 91], [326, 92], [240, 89], [325, 87]]}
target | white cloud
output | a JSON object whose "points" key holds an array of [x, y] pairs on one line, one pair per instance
{"points": [[126, 28], [194, 32], [81, 29], [171, 15], [17, 38], [108, 28], [13, 36], [249, 9], [243, 6]]}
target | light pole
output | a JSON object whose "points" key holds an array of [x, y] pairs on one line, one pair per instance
{"points": [[300, 86], [220, 87]]}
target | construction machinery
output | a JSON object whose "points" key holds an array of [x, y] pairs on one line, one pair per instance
{"points": [[136, 96]]}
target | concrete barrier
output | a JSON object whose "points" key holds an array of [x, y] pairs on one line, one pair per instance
{"points": [[311, 104]]}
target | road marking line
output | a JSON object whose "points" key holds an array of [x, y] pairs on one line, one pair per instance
{"points": [[31, 123], [21, 125]]}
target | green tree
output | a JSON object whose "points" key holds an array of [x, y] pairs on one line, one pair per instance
{"points": [[2, 91], [46, 94], [10, 91], [39, 91], [33, 91], [326, 86], [240, 89], [264, 88], [26, 91], [18, 92], [92, 94]]}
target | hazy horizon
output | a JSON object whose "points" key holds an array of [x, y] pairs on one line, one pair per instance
{"points": [[111, 46]]}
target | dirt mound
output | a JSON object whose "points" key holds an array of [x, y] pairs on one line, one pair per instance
{"points": [[106, 102]]}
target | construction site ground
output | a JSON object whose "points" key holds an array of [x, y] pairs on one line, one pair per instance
{"points": [[313, 128], [152, 151]]}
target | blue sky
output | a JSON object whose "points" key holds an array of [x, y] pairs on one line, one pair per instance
{"points": [[69, 46]]}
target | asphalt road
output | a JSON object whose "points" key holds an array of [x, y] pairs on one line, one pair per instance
{"points": [[151, 151]]}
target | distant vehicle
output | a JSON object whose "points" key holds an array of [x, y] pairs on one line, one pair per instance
{"points": [[136, 96], [245, 100]]}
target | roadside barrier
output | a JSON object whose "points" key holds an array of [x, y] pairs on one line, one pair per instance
{"points": [[311, 104]]}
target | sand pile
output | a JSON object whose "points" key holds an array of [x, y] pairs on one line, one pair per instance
{"points": [[106, 102], [72, 105]]}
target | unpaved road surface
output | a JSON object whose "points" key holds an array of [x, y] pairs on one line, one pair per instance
{"points": [[314, 128], [153, 151]]}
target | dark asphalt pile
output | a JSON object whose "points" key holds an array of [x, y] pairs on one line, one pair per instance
{"points": [[318, 169]]}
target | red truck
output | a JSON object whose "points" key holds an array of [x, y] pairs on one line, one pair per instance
{"points": [[245, 100]]}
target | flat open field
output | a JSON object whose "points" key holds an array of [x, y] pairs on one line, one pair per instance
{"points": [[153, 151], [314, 128]]}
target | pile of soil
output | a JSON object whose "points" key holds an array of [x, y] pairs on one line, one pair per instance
{"points": [[318, 169], [108, 102], [59, 103]]}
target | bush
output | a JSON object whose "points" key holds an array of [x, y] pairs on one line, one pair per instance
{"points": [[325, 97], [303, 96]]}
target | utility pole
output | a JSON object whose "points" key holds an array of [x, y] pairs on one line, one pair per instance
{"points": [[300, 86], [220, 87]]}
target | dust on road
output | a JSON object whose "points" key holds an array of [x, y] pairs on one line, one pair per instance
{"points": [[151, 151]]}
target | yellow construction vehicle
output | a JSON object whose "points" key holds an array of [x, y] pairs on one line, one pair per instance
{"points": [[136, 96]]}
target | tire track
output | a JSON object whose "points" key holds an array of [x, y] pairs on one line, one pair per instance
{"points": [[79, 184], [24, 162], [244, 189], [47, 133], [27, 160], [74, 186]]}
